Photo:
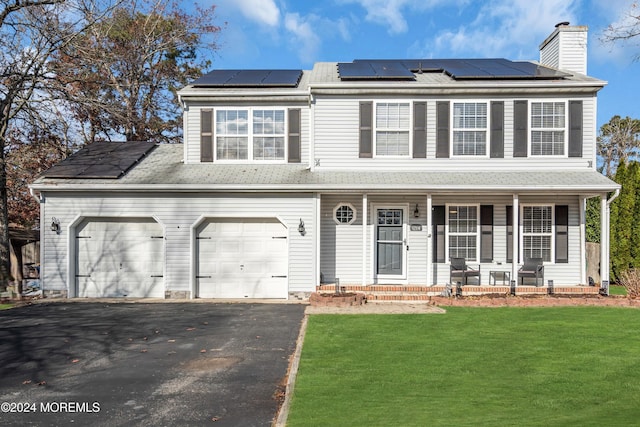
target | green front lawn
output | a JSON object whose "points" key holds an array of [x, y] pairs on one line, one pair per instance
{"points": [[575, 366], [617, 290]]}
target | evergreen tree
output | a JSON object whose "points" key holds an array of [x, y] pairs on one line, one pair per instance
{"points": [[622, 221], [635, 228], [593, 220]]}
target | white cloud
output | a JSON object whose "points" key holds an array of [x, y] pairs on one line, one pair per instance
{"points": [[390, 12], [304, 37], [504, 28], [308, 32], [264, 12]]}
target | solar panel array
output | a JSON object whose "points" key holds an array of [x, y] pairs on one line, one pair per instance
{"points": [[250, 78], [459, 69], [109, 160]]}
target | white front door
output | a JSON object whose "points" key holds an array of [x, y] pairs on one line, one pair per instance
{"points": [[390, 243]]}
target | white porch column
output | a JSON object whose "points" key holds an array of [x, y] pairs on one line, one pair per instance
{"points": [[429, 240], [604, 239], [317, 219], [516, 238], [365, 216], [583, 240]]}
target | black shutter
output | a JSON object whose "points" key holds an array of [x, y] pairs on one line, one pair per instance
{"points": [[575, 129], [520, 137], [438, 220], [562, 234], [419, 130], [509, 233], [294, 136], [442, 132], [486, 233], [497, 129], [366, 129], [206, 135]]}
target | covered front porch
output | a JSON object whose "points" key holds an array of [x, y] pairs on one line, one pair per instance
{"points": [[402, 243]]}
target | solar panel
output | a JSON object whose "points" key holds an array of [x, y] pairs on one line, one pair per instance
{"points": [[374, 70], [459, 69], [283, 78], [540, 71], [250, 78], [215, 78], [109, 160]]}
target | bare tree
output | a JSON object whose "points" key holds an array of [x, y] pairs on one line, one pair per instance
{"points": [[31, 31], [121, 76], [626, 30], [618, 142]]}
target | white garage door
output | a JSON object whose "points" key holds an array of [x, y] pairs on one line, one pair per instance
{"points": [[120, 257], [242, 258]]}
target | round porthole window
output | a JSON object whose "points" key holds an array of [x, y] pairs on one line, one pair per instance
{"points": [[344, 213]]}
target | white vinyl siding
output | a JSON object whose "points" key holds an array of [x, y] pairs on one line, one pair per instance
{"points": [[469, 129], [392, 121], [341, 244], [177, 213], [336, 130]]}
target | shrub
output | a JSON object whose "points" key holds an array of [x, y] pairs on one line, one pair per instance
{"points": [[630, 279]]}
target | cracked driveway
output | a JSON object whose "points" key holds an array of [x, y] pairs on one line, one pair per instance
{"points": [[145, 364]]}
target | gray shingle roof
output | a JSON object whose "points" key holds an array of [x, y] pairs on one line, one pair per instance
{"points": [[163, 170]]}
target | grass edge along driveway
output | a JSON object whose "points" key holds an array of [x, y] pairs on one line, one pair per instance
{"points": [[470, 367]]}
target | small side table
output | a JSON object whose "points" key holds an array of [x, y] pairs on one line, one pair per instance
{"points": [[504, 276]]}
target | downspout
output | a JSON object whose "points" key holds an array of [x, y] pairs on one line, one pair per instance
{"points": [[615, 195], [38, 196]]}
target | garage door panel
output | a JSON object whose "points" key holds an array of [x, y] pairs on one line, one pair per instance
{"points": [[120, 257], [241, 256]]}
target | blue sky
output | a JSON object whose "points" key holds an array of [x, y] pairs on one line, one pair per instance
{"points": [[297, 33]]}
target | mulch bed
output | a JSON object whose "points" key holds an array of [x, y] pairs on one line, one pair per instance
{"points": [[536, 301]]}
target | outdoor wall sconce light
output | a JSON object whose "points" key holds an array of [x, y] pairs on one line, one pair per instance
{"points": [[301, 229], [55, 225], [416, 212]]}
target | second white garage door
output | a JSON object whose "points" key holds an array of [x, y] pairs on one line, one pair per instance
{"points": [[242, 258]]}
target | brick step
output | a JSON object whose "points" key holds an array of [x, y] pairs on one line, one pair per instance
{"points": [[421, 292]]}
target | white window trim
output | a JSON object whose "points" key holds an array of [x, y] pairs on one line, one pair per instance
{"points": [[447, 234], [338, 206], [552, 234], [452, 129], [250, 135], [374, 136], [530, 128]]}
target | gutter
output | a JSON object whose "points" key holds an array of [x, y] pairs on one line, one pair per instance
{"points": [[292, 188]]}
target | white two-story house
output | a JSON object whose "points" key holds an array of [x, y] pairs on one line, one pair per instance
{"points": [[371, 172]]}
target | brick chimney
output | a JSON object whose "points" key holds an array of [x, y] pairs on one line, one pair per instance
{"points": [[566, 48]]}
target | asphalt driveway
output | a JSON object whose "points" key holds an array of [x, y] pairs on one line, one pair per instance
{"points": [[145, 364]]}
